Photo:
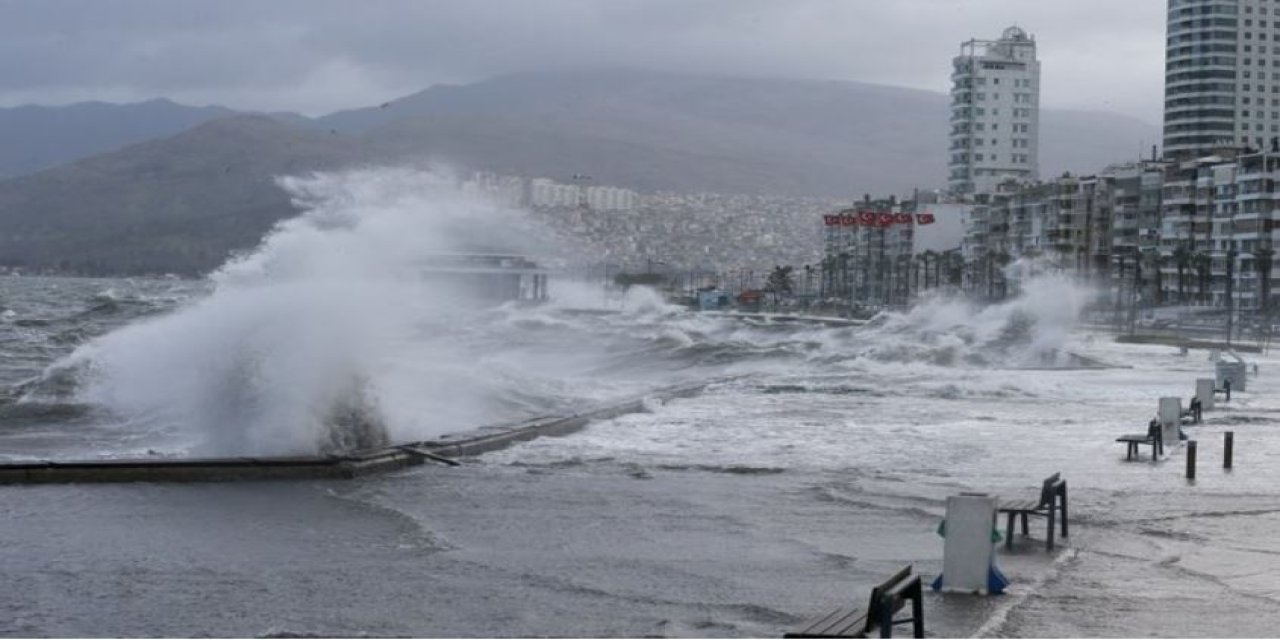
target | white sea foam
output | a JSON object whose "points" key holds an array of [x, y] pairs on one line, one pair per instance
{"points": [[322, 338]]}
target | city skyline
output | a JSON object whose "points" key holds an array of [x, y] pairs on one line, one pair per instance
{"points": [[321, 56]]}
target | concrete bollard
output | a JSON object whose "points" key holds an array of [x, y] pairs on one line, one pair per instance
{"points": [[1228, 443], [1191, 460], [1204, 392], [1170, 416]]}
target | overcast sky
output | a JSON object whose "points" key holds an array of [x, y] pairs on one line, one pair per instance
{"points": [[317, 56]]}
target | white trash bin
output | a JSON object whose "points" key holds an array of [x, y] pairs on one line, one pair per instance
{"points": [[969, 551]]}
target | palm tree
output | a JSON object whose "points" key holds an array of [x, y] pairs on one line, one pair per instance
{"points": [[1262, 262], [1157, 265], [955, 268], [1003, 259], [780, 281], [926, 257], [1182, 257], [1201, 262]]}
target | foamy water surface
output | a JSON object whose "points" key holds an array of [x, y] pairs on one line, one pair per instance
{"points": [[818, 461]]}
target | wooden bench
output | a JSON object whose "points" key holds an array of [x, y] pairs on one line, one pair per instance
{"points": [[1226, 389], [887, 599], [1195, 411], [1053, 500], [1153, 437]]}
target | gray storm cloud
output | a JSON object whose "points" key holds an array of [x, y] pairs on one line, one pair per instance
{"points": [[317, 56]]}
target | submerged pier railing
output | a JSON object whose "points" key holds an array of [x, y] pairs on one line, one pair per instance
{"points": [[344, 466]]}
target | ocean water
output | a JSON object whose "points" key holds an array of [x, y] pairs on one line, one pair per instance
{"points": [[817, 463]]}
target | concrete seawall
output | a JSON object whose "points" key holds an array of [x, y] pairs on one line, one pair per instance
{"points": [[312, 467], [787, 318]]}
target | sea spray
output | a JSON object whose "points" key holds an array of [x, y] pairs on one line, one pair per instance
{"points": [[324, 338], [1030, 327]]}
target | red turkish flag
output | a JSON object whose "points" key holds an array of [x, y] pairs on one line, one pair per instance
{"points": [[924, 218]]}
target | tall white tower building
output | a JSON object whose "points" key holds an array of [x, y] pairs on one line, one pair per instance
{"points": [[995, 113], [1222, 76]]}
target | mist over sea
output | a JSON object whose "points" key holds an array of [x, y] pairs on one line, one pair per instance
{"points": [[818, 462]]}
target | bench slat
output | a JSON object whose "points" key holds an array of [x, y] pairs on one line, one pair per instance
{"points": [[1019, 505], [1135, 437], [844, 622]]}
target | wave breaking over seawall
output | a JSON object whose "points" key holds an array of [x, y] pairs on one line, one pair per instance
{"points": [[324, 338]]}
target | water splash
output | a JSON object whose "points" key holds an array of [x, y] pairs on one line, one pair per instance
{"points": [[1030, 328], [323, 339]]}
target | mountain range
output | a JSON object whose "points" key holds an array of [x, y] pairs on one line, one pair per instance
{"points": [[158, 186]]}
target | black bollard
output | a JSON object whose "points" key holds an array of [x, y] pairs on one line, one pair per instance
{"points": [[1228, 443], [1191, 459]]}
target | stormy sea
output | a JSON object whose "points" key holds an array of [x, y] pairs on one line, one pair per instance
{"points": [[816, 463]]}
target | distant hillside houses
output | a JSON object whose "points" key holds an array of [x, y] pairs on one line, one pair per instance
{"points": [[545, 193], [707, 233]]}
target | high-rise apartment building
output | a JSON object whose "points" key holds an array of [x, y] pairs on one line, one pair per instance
{"points": [[995, 113], [1222, 76]]}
